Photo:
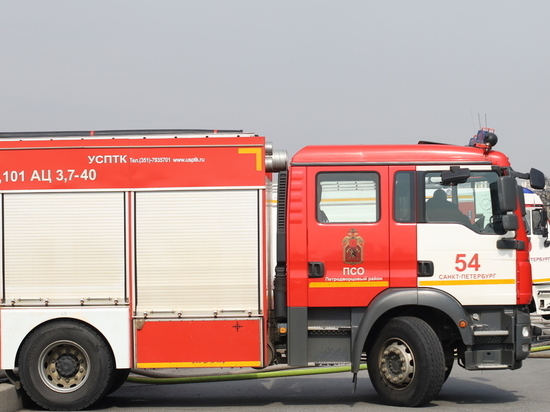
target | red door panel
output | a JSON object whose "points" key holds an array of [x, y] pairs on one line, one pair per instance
{"points": [[347, 250], [403, 227]]}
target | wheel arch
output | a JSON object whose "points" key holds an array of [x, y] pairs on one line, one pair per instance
{"points": [[55, 320], [426, 304], [112, 324]]}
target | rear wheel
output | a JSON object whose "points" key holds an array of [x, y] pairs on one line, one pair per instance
{"points": [[406, 363], [65, 365]]}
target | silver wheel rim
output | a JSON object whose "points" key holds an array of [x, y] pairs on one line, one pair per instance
{"points": [[63, 366], [397, 364]]}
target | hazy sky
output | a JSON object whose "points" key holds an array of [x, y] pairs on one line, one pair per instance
{"points": [[298, 72]]}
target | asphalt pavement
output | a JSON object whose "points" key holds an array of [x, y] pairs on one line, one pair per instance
{"points": [[484, 390]]}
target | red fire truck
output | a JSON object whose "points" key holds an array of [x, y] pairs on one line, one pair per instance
{"points": [[160, 249]]}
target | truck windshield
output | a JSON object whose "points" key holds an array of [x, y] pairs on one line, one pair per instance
{"points": [[473, 204]]}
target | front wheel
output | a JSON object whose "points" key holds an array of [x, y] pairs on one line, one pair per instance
{"points": [[65, 365], [406, 363]]}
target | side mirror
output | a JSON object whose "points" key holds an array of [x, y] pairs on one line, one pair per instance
{"points": [[507, 193], [510, 222], [537, 179]]}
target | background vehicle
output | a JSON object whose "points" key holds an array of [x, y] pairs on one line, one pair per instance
{"points": [[537, 221]]}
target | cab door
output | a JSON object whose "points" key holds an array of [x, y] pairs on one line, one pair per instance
{"points": [[464, 244], [347, 240]]}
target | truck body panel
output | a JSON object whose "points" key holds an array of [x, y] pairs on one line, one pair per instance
{"points": [[114, 323]]}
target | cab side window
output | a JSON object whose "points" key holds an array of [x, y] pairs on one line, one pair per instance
{"points": [[473, 204], [348, 197], [403, 198]]}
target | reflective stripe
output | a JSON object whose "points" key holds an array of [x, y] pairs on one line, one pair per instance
{"points": [[466, 282], [382, 284]]}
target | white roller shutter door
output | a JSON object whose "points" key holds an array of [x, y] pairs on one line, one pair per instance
{"points": [[197, 252], [64, 247]]}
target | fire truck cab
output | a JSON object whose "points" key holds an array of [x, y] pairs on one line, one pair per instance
{"points": [[402, 245]]}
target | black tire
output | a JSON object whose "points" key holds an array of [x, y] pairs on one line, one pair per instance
{"points": [[120, 377], [406, 363], [66, 365]]}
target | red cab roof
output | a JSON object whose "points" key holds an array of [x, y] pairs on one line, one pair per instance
{"points": [[398, 154]]}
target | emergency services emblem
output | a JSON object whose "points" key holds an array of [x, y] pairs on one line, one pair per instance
{"points": [[352, 247]]}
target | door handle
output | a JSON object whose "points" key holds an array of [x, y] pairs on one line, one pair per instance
{"points": [[316, 269], [425, 268]]}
